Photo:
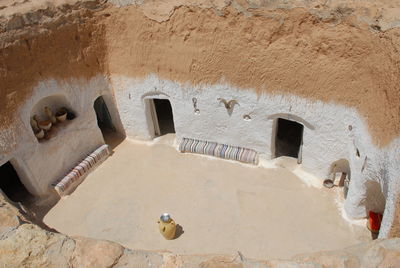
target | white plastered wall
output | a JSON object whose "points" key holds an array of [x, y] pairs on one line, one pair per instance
{"points": [[327, 136], [40, 164], [326, 139]]}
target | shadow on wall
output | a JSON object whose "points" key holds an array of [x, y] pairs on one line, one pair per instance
{"points": [[375, 199], [54, 102], [341, 166]]}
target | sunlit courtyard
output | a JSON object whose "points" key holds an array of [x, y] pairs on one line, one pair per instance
{"points": [[221, 206]]}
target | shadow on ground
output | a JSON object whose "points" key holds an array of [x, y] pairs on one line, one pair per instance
{"points": [[179, 231]]}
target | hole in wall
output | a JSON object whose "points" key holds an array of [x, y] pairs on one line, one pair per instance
{"points": [[339, 169], [376, 200], [246, 117], [11, 184], [49, 116], [288, 139], [54, 103], [162, 117], [105, 122]]}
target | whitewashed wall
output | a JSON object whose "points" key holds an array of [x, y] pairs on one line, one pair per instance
{"points": [[327, 135], [40, 164]]}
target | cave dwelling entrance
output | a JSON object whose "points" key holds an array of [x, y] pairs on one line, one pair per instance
{"points": [[11, 184], [162, 116], [289, 139]]}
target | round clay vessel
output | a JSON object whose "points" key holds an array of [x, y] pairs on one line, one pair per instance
{"points": [[39, 134], [167, 226], [46, 125], [62, 117]]}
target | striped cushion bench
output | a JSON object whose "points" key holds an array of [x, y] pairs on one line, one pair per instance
{"points": [[68, 183], [219, 150]]}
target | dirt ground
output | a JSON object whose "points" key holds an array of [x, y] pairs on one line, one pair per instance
{"points": [[222, 206]]}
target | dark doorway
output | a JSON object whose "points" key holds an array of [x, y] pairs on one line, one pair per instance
{"points": [[103, 115], [11, 185], [104, 121], [288, 139], [164, 116]]}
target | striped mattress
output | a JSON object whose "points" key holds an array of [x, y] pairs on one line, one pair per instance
{"points": [[219, 150], [79, 172]]}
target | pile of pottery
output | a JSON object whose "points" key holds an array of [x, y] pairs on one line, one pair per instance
{"points": [[42, 127]]}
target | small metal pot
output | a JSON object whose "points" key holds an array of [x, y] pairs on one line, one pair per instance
{"points": [[165, 217]]}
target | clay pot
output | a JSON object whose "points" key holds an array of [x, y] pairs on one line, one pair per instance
{"points": [[50, 115], [48, 111], [45, 125], [61, 117], [167, 226], [34, 124], [39, 134]]}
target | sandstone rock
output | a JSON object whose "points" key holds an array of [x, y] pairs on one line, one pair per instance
{"points": [[10, 216], [222, 262], [171, 261], [15, 22], [139, 258], [381, 253], [28, 245], [195, 261], [8, 219], [378, 253], [293, 264], [31, 246], [95, 253]]}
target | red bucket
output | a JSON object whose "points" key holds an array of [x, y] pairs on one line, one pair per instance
{"points": [[374, 221]]}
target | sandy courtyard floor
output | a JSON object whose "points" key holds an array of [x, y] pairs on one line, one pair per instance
{"points": [[222, 206]]}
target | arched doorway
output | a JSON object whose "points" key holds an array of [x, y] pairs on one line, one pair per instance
{"points": [[289, 138], [105, 122], [161, 116]]}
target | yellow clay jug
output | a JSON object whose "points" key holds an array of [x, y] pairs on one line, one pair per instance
{"points": [[167, 226]]}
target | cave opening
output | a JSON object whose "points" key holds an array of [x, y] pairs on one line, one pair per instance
{"points": [[162, 116], [289, 138], [11, 184]]}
